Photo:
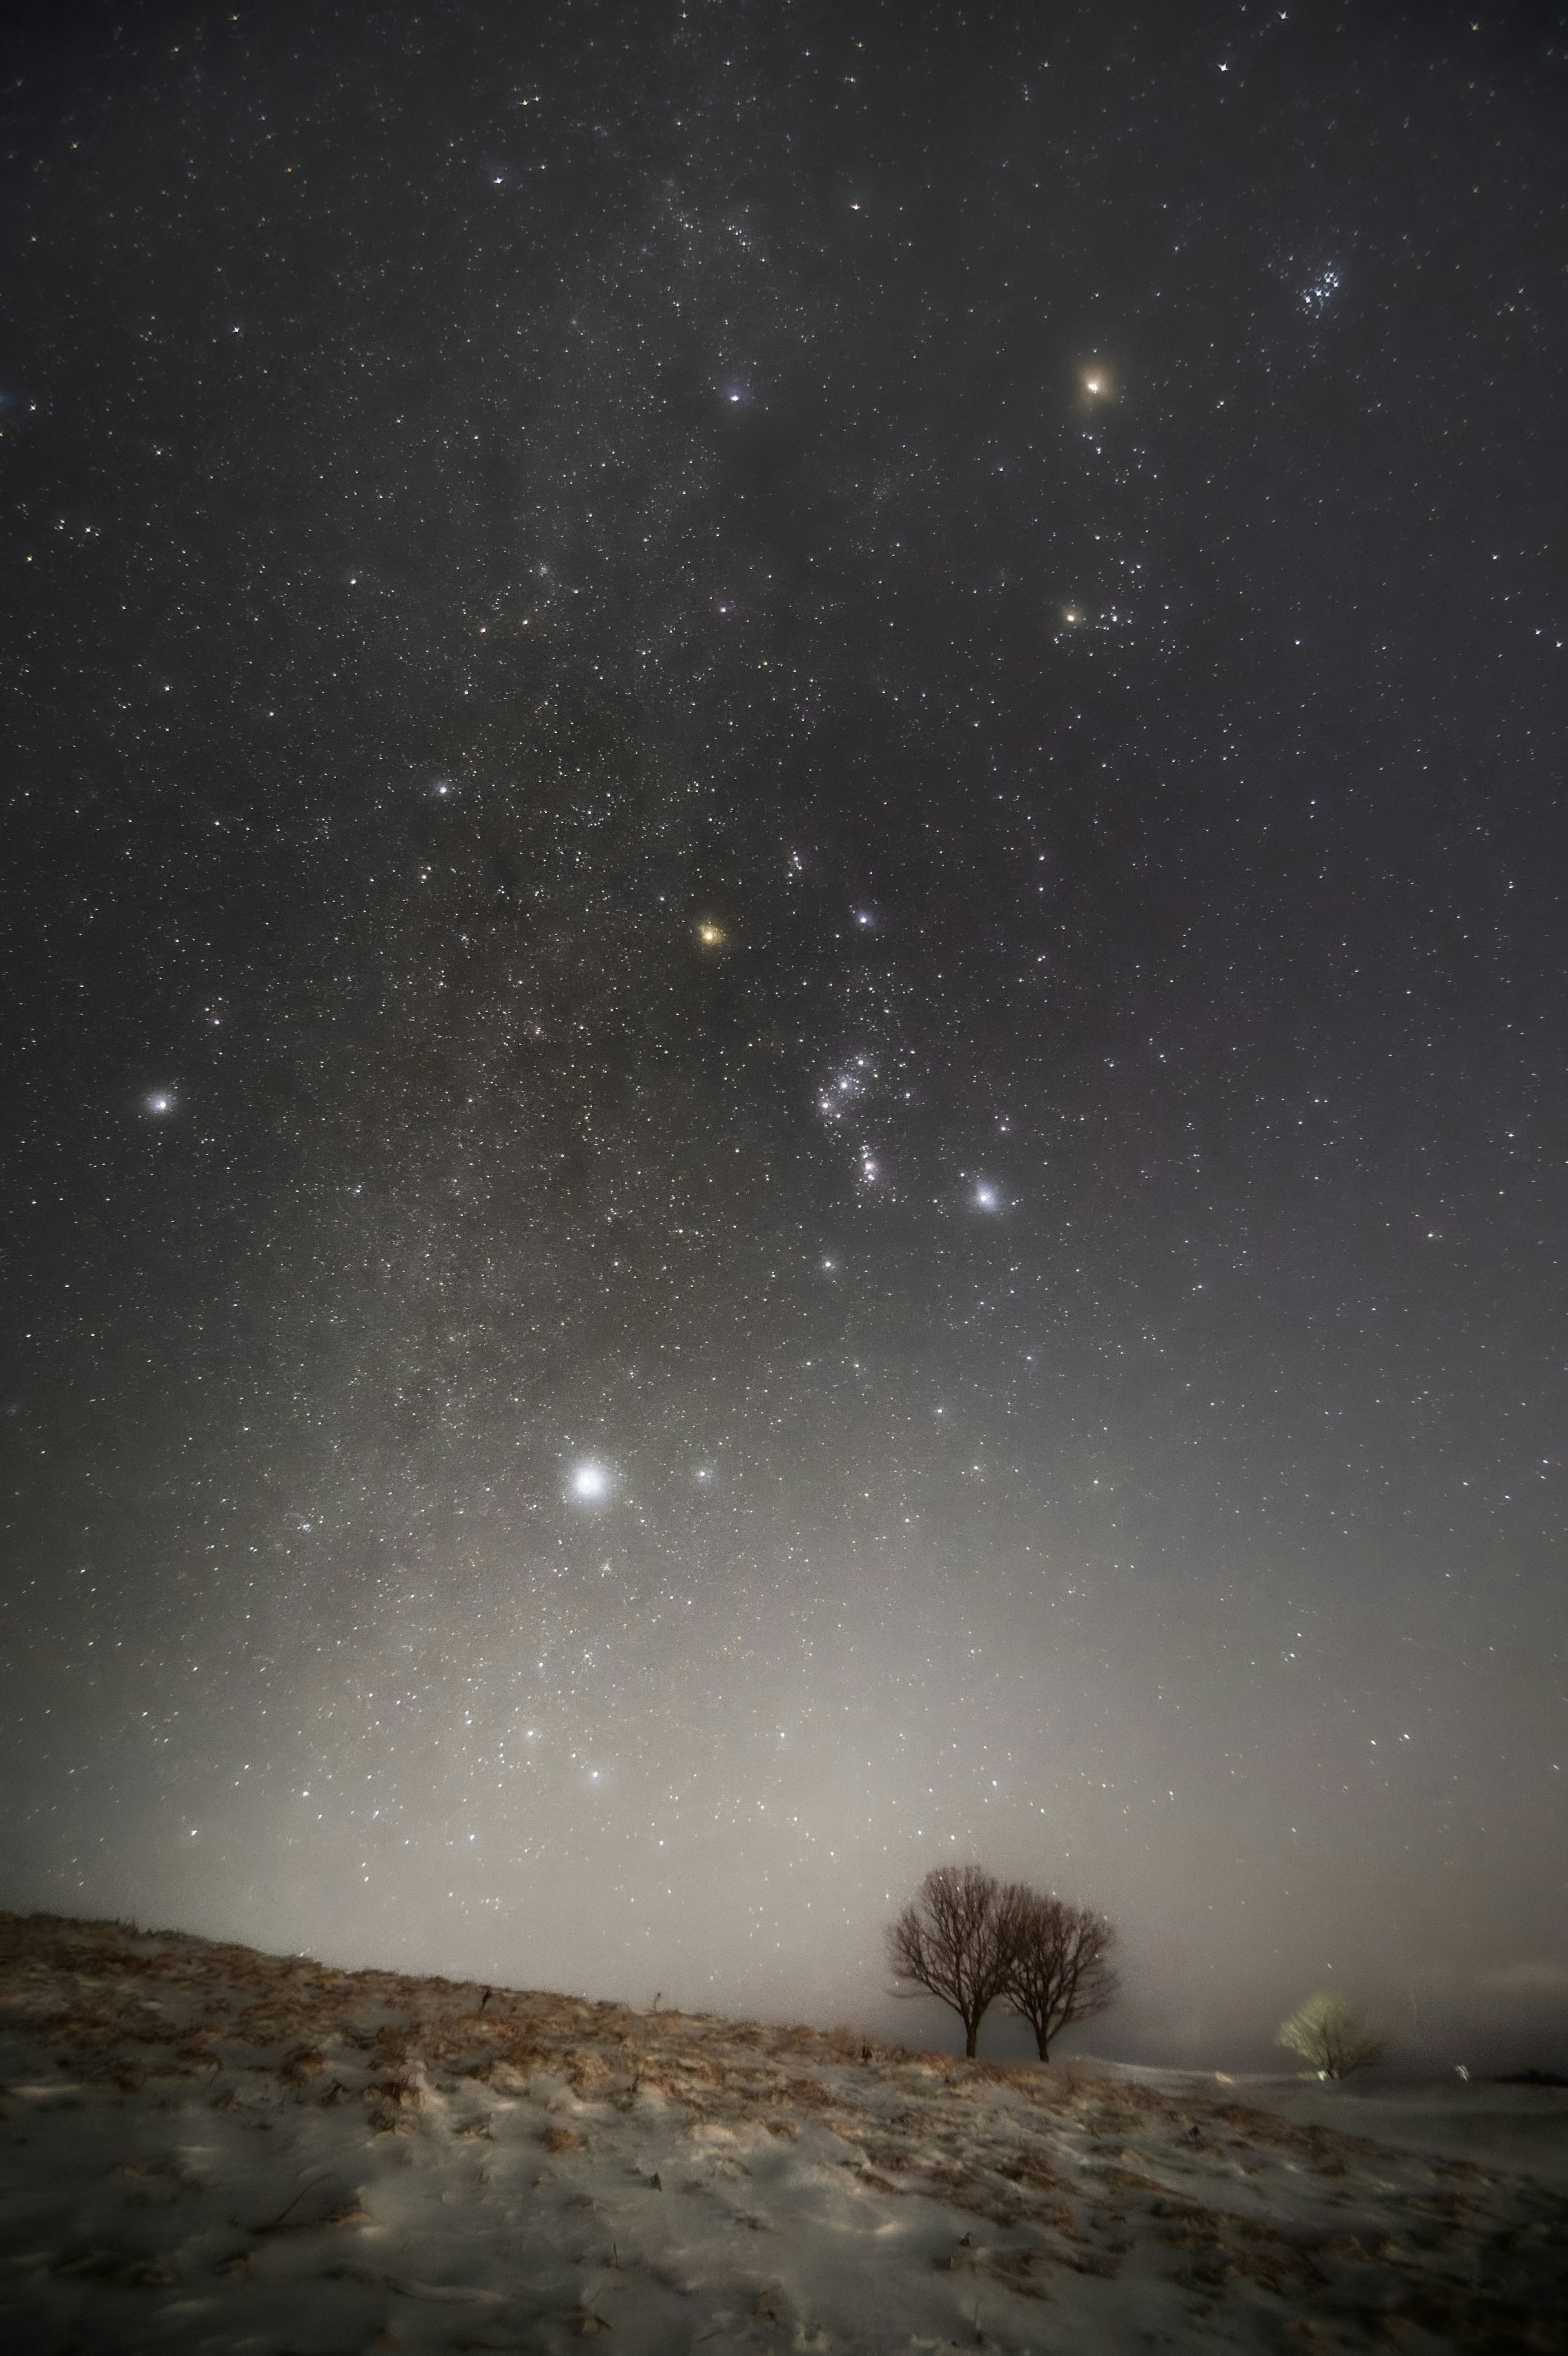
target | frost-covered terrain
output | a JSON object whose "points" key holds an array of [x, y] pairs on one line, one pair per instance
{"points": [[207, 2148], [1522, 2130]]}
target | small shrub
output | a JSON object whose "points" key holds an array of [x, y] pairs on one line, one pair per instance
{"points": [[1328, 2038]]}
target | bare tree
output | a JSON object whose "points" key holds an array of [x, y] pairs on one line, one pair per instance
{"points": [[1328, 2038], [1059, 1971], [954, 1943]]}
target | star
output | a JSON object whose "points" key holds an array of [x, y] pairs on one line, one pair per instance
{"points": [[590, 1483]]}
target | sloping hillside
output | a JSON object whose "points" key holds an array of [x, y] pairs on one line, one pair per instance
{"points": [[207, 2149]]}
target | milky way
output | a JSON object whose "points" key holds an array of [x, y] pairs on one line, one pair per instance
{"points": [[786, 970]]}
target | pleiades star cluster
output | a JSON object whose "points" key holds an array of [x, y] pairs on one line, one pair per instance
{"points": [[784, 977]]}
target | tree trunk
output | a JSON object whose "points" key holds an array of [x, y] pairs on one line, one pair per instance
{"points": [[1042, 2038], [971, 2039]]}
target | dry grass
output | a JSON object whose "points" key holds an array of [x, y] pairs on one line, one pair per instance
{"points": [[1080, 2155]]}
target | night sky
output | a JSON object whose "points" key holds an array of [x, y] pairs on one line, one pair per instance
{"points": [[785, 993]]}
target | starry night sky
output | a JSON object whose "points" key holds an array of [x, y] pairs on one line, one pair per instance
{"points": [[784, 979]]}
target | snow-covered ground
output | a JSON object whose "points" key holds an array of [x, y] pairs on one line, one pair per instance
{"points": [[207, 2148], [1521, 2129]]}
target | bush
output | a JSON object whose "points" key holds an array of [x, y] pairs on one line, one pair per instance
{"points": [[1328, 2038]]}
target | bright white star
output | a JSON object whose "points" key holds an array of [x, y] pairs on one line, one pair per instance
{"points": [[590, 1483]]}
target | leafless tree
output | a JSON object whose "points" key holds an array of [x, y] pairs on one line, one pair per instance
{"points": [[1058, 1969], [954, 1943]]}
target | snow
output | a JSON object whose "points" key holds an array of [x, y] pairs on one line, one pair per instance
{"points": [[210, 2149], [1524, 2128]]}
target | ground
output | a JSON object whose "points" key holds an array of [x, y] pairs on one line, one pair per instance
{"points": [[207, 2149]]}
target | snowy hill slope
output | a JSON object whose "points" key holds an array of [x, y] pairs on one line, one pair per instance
{"points": [[205, 2148]]}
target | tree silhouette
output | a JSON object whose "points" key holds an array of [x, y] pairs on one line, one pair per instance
{"points": [[953, 1942], [1058, 1971]]}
